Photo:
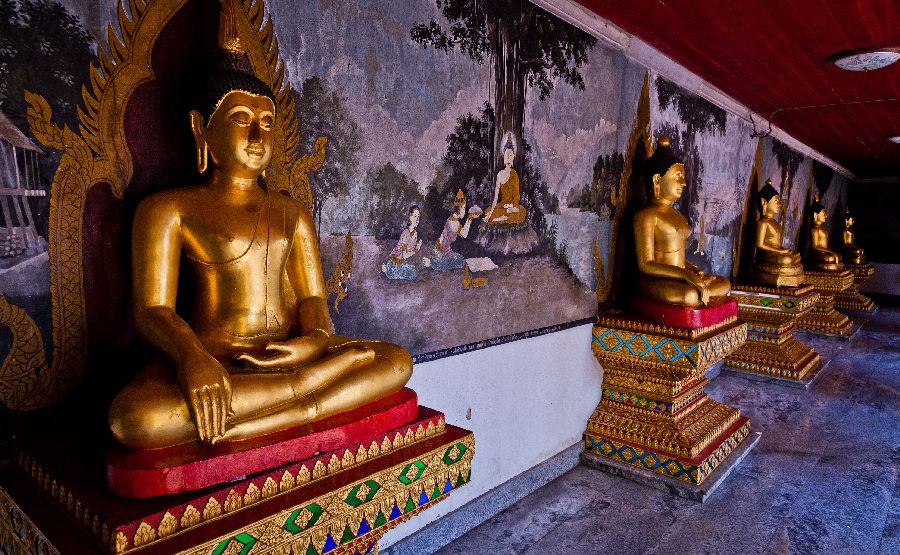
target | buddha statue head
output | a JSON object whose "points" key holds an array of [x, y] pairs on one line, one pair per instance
{"points": [[233, 116], [769, 200], [848, 219], [819, 214], [664, 173]]}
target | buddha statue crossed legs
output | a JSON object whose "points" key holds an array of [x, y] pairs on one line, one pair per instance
{"points": [[661, 232], [240, 363]]}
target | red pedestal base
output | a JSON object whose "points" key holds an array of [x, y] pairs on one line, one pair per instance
{"points": [[151, 473], [678, 316]]}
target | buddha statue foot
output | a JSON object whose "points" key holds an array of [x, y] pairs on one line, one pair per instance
{"points": [[152, 472]]}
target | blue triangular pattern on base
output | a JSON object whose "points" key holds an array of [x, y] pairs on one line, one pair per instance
{"points": [[363, 528], [448, 486], [329, 544], [423, 498], [395, 512]]}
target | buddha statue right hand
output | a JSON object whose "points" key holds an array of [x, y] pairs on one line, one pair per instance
{"points": [[207, 389]]}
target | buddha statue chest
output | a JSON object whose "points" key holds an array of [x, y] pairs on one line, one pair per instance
{"points": [[669, 236], [236, 256]]}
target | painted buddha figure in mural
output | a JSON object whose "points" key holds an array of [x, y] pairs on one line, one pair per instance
{"points": [[820, 256], [772, 263], [241, 361], [661, 233], [852, 253], [506, 206]]}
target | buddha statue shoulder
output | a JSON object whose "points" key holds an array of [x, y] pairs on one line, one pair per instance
{"points": [[241, 361], [852, 253], [773, 264], [820, 256], [661, 234]]}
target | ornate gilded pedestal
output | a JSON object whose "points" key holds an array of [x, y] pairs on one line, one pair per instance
{"points": [[655, 423], [771, 351], [851, 300], [338, 502], [823, 319]]}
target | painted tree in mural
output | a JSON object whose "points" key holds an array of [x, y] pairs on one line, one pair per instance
{"points": [[526, 46], [43, 48], [393, 193], [321, 111], [697, 116], [596, 196], [789, 161], [467, 165]]}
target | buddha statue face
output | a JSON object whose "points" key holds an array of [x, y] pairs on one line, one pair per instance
{"points": [[238, 134], [820, 217], [772, 207], [669, 185]]}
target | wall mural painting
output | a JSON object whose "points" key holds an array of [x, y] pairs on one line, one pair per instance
{"points": [[475, 154], [459, 152]]}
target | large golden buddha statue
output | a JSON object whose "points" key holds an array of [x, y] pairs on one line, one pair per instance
{"points": [[242, 360], [660, 233], [772, 263], [820, 256], [852, 253]]}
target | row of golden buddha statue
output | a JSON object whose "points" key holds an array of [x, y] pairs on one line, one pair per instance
{"points": [[655, 423]]}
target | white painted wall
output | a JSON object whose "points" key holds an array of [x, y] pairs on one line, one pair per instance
{"points": [[530, 399]]}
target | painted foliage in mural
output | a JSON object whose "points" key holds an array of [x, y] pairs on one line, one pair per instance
{"points": [[457, 180]]}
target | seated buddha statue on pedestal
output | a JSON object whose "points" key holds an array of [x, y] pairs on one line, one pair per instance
{"points": [[820, 256], [241, 361], [772, 263], [661, 232], [852, 253]]}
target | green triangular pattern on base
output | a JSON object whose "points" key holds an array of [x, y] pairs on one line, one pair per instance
{"points": [[348, 535], [380, 519]]}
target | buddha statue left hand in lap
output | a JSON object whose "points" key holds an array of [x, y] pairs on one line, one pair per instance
{"points": [[661, 232], [239, 363]]}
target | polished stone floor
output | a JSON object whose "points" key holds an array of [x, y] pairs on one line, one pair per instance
{"points": [[823, 479]]}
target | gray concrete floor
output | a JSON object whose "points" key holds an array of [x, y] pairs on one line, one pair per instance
{"points": [[823, 479]]}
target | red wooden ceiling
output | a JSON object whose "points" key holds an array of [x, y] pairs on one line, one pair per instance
{"points": [[771, 55]]}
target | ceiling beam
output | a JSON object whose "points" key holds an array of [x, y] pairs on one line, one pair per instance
{"points": [[651, 58]]}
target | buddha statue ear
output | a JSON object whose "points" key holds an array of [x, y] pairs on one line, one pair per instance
{"points": [[656, 179], [199, 131]]}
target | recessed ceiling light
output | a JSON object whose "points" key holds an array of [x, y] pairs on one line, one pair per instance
{"points": [[894, 139], [866, 59]]}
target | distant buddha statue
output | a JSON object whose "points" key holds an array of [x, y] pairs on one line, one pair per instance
{"points": [[240, 362], [661, 233], [820, 256], [852, 253], [506, 207], [772, 263]]}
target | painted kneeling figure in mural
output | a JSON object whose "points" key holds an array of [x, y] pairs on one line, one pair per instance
{"points": [[443, 257], [399, 266], [240, 363], [661, 233]]}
